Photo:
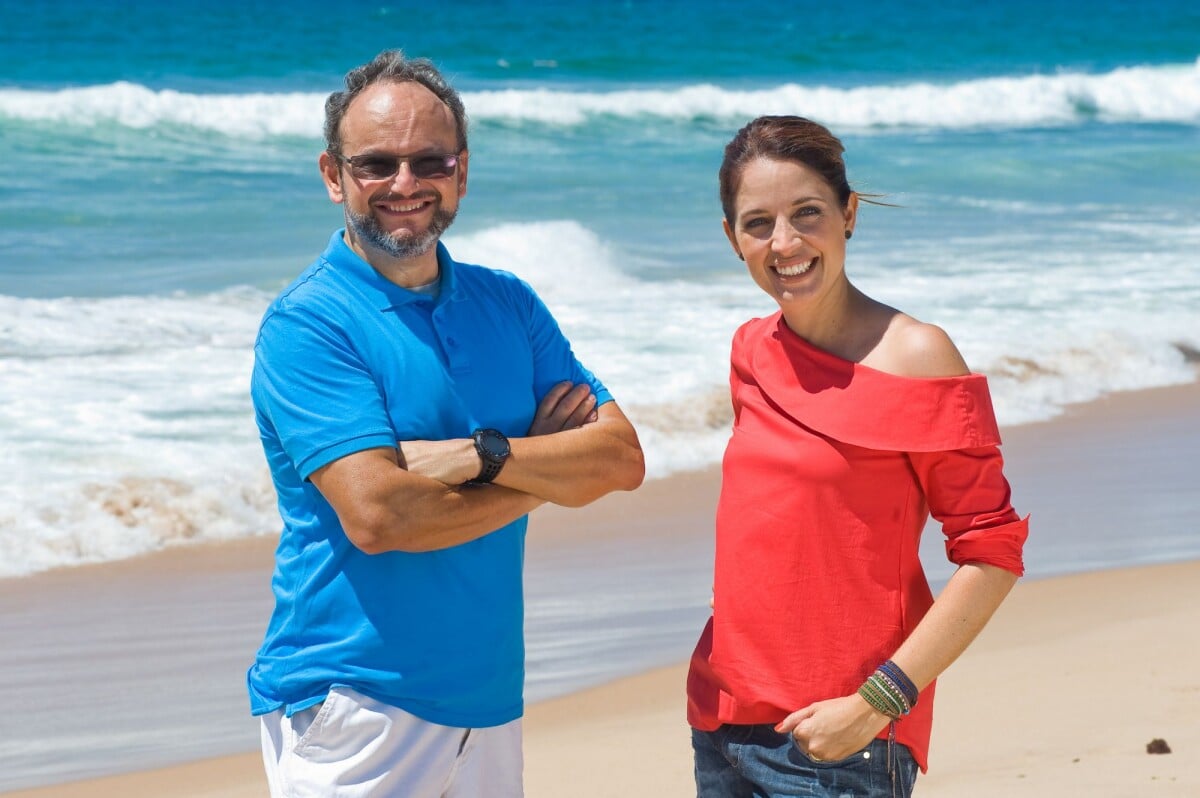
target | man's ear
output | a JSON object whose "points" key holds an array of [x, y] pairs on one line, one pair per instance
{"points": [[461, 174], [331, 175]]}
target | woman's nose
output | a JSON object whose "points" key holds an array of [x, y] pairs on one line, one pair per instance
{"points": [[785, 237]]}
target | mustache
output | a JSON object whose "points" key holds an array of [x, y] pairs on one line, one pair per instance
{"points": [[418, 195]]}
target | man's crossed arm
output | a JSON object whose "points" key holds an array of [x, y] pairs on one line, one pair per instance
{"points": [[413, 498]]}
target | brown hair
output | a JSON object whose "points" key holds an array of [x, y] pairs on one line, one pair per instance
{"points": [[783, 138], [391, 66]]}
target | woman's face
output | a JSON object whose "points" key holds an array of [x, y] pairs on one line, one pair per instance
{"points": [[791, 230]]}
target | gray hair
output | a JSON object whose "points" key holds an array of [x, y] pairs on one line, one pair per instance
{"points": [[391, 66]]}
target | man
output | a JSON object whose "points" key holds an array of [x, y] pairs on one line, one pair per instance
{"points": [[413, 411]]}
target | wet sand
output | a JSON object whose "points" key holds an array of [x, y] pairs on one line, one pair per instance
{"points": [[1074, 677]]}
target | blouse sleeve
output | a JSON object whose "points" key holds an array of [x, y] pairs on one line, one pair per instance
{"points": [[968, 493], [946, 425]]}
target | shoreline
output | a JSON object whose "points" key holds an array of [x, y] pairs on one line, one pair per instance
{"points": [[1021, 713], [1017, 715], [146, 627]]}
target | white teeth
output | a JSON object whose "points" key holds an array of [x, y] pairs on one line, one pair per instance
{"points": [[792, 271], [404, 208]]}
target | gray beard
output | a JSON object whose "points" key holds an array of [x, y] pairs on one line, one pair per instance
{"points": [[401, 246]]}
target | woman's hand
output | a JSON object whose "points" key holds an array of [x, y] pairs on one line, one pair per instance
{"points": [[834, 729]]}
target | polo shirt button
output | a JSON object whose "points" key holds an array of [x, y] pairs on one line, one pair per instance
{"points": [[451, 342]]}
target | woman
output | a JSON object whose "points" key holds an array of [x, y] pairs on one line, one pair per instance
{"points": [[852, 423]]}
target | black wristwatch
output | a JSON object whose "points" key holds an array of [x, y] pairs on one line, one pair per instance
{"points": [[493, 450]]}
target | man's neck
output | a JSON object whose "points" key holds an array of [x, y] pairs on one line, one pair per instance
{"points": [[404, 272]]}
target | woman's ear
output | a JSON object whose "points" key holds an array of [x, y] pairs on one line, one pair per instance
{"points": [[851, 214], [732, 240]]}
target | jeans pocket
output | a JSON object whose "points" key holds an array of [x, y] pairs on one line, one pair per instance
{"points": [[860, 758]]}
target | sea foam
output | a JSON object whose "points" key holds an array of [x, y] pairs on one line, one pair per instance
{"points": [[128, 426], [1135, 94]]}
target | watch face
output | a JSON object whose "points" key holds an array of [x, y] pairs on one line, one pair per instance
{"points": [[494, 444]]}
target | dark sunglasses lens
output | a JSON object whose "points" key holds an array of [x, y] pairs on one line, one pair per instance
{"points": [[384, 167], [433, 165], [374, 168]]}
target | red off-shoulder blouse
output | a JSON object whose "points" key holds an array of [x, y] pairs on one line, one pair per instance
{"points": [[829, 477]]}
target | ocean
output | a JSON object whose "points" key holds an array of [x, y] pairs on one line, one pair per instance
{"points": [[160, 186]]}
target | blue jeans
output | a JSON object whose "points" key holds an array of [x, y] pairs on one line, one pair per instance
{"points": [[759, 762]]}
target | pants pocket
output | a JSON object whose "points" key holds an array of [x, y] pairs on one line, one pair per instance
{"points": [[308, 723], [860, 758]]}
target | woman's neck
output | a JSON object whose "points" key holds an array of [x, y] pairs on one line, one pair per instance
{"points": [[847, 323]]}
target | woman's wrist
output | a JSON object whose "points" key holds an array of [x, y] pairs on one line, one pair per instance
{"points": [[889, 691], [869, 712]]}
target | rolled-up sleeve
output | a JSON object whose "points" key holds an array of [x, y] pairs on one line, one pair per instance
{"points": [[971, 498]]}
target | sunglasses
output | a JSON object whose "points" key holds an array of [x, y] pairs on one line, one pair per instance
{"points": [[385, 167]]}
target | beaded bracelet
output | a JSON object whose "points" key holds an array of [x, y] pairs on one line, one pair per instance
{"points": [[898, 677], [876, 694], [889, 691], [894, 693]]}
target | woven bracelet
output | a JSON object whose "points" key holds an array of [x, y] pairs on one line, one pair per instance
{"points": [[877, 702], [895, 697], [879, 699], [893, 690], [898, 677]]}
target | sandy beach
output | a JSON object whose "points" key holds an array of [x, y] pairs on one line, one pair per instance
{"points": [[1077, 673]]}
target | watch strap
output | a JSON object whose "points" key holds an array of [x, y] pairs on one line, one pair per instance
{"points": [[490, 470], [491, 463]]}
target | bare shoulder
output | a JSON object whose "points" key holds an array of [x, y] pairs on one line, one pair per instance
{"points": [[912, 348]]}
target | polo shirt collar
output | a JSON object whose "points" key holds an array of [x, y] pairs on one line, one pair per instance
{"points": [[382, 291]]}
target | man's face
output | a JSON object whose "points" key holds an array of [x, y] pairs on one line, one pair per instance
{"points": [[402, 215]]}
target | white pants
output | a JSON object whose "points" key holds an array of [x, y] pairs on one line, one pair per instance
{"points": [[352, 746]]}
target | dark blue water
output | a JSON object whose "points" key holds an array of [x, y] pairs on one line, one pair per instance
{"points": [[302, 45]]}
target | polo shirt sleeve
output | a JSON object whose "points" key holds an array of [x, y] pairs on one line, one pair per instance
{"points": [[968, 493], [315, 392], [553, 359]]}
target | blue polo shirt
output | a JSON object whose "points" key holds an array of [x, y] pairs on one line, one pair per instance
{"points": [[345, 361]]}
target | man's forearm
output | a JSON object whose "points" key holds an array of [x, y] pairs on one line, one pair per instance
{"points": [[577, 466], [570, 467], [443, 516], [383, 507]]}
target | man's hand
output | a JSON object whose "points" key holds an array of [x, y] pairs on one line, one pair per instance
{"points": [[564, 407]]}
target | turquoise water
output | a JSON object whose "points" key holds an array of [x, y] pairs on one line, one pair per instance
{"points": [[159, 185]]}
